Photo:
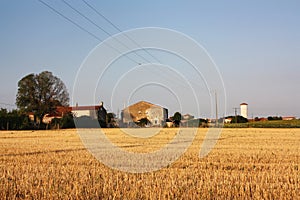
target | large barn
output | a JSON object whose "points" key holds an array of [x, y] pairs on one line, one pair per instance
{"points": [[156, 115]]}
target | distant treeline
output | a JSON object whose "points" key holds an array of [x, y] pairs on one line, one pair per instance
{"points": [[266, 124], [16, 120]]}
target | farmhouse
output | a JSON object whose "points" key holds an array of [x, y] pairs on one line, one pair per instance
{"points": [[94, 112], [79, 111], [154, 114]]}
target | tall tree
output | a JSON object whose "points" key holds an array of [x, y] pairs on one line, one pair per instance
{"points": [[41, 94], [177, 118]]}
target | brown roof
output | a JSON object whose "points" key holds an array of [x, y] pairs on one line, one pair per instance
{"points": [[141, 105], [243, 104]]}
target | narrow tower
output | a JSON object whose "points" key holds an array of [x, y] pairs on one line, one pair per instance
{"points": [[244, 110]]}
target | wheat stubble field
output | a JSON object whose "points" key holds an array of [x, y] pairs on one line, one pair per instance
{"points": [[245, 164]]}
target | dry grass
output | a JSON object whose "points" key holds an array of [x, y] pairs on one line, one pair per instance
{"points": [[245, 164]]}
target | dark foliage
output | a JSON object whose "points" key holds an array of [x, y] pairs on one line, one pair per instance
{"points": [[177, 118], [143, 122], [102, 117], [14, 120], [40, 94], [67, 121], [270, 118], [238, 119]]}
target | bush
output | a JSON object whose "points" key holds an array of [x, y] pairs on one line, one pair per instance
{"points": [[67, 121], [270, 118], [14, 120]]}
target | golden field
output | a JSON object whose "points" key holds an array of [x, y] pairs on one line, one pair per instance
{"points": [[245, 164]]}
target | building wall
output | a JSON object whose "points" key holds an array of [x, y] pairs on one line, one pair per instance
{"points": [[156, 116], [80, 113], [93, 114], [126, 117]]}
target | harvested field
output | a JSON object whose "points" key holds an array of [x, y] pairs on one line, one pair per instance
{"points": [[245, 164]]}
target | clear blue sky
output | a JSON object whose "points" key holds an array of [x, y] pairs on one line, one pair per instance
{"points": [[255, 44]]}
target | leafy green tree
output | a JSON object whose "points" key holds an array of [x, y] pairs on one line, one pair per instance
{"points": [[67, 121], [3, 119], [41, 94], [177, 118]]}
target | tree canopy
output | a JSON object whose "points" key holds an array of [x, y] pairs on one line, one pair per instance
{"points": [[177, 118], [41, 94]]}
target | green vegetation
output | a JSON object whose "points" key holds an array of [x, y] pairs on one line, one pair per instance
{"points": [[14, 120], [67, 121], [270, 118], [266, 124], [177, 118], [40, 94], [238, 119]]}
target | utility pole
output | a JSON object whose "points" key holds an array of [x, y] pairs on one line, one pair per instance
{"points": [[216, 99], [235, 113]]}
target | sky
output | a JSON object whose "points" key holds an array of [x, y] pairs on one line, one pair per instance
{"points": [[255, 46]]}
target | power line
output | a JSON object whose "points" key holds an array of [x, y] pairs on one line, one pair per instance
{"points": [[110, 35], [83, 29], [117, 28], [216, 99], [132, 40], [102, 29], [68, 19], [99, 39]]}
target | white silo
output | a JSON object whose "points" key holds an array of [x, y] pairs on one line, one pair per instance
{"points": [[244, 110]]}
